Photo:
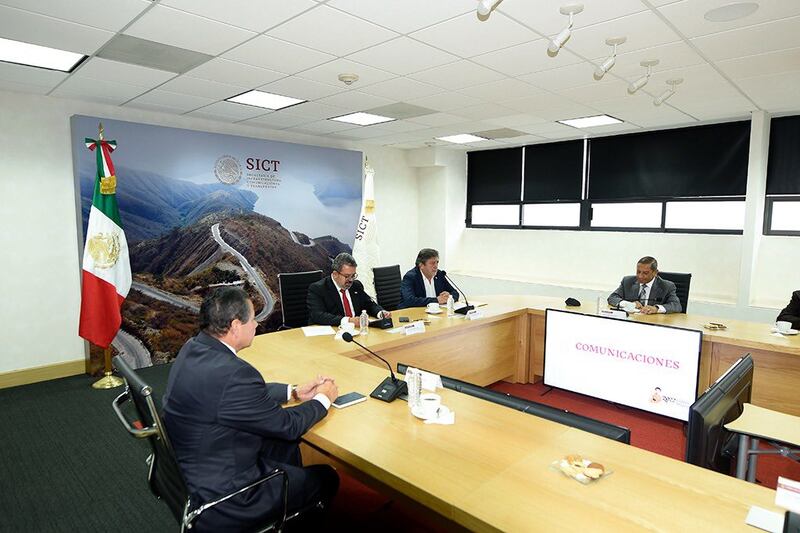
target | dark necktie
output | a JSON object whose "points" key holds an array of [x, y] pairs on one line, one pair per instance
{"points": [[348, 311], [643, 294]]}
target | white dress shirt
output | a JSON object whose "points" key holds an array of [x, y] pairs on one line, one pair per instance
{"points": [[430, 288], [648, 287]]}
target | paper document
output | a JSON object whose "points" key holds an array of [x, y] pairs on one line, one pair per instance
{"points": [[316, 331], [787, 494], [766, 520], [459, 305]]}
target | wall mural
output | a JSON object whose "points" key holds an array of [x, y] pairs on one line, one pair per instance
{"points": [[201, 210]]}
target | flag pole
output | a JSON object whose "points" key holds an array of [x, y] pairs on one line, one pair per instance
{"points": [[109, 380]]}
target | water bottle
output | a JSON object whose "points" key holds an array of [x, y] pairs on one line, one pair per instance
{"points": [[414, 384], [363, 323], [451, 305]]}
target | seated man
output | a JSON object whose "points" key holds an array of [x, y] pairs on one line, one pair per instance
{"points": [[228, 428], [340, 298], [646, 291], [791, 313], [425, 283]]}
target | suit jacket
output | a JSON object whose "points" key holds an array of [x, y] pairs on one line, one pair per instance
{"points": [[791, 313], [412, 288], [324, 302], [661, 293], [222, 420]]}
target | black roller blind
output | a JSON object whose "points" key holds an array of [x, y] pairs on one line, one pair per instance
{"points": [[686, 162], [783, 166], [554, 171], [494, 176]]}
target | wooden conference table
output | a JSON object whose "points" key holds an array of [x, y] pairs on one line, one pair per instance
{"points": [[491, 470]]}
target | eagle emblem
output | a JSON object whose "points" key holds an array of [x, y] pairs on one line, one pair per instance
{"points": [[104, 249]]}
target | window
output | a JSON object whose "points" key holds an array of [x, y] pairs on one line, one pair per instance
{"points": [[552, 215], [495, 215], [782, 214], [712, 215], [783, 217], [626, 215]]}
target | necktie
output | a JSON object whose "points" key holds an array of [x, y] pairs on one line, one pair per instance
{"points": [[643, 294], [348, 311]]}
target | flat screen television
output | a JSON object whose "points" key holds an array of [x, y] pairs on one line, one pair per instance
{"points": [[637, 364], [708, 443]]}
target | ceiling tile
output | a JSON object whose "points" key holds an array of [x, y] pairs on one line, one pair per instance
{"points": [[467, 36], [315, 111], [642, 30], [300, 88], [519, 119], [762, 64], [277, 55], [767, 37], [255, 16], [405, 16], [178, 28], [549, 107], [526, 58], [278, 120], [446, 101], [171, 100], [402, 89], [562, 78], [200, 87], [544, 15], [596, 91], [329, 73], [485, 111], [331, 30], [437, 119], [402, 56], [158, 108], [235, 73], [775, 93], [670, 56], [30, 76], [688, 17], [110, 15], [228, 111], [457, 75], [352, 101], [104, 90], [46, 31], [507, 88], [322, 126], [103, 69], [25, 88]]}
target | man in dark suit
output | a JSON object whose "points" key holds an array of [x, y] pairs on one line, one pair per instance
{"points": [[228, 428], [791, 313], [646, 291], [340, 297], [425, 283]]}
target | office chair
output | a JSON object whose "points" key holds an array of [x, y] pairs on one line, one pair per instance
{"points": [[164, 474], [294, 291], [387, 286], [682, 282]]}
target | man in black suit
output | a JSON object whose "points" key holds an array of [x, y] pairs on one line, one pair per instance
{"points": [[228, 428], [646, 291], [791, 313], [340, 297], [425, 283]]}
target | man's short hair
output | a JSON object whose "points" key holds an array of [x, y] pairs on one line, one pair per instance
{"points": [[647, 260], [343, 259], [221, 307], [425, 254]]}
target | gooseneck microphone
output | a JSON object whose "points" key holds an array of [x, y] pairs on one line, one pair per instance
{"points": [[391, 387], [467, 308]]}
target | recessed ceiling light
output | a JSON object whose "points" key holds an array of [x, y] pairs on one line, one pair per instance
{"points": [[730, 12], [265, 100], [362, 119], [590, 122], [462, 138], [34, 55]]}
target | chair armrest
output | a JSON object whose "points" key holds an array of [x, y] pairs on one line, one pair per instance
{"points": [[192, 516], [138, 433]]}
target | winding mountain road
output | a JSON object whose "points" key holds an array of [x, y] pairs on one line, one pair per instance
{"points": [[294, 238], [165, 296], [132, 350]]}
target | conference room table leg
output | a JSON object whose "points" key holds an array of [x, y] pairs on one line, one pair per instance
{"points": [[741, 457], [752, 460]]}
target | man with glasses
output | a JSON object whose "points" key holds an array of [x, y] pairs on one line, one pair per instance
{"points": [[646, 292], [340, 297]]}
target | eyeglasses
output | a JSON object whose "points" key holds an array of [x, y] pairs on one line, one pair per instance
{"points": [[348, 276]]}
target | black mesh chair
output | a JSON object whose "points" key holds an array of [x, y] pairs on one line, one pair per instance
{"points": [[682, 282], [387, 286], [164, 475], [294, 290]]}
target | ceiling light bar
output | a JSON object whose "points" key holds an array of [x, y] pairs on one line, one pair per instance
{"points": [[33, 55], [641, 82], [663, 97], [362, 119], [462, 138], [606, 65], [265, 100], [590, 122], [558, 41], [485, 7]]}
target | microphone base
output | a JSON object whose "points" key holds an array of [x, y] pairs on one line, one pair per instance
{"points": [[389, 390], [464, 310]]}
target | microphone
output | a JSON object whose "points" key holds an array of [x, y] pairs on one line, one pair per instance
{"points": [[391, 387], [461, 310]]}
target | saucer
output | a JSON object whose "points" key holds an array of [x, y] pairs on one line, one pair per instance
{"points": [[433, 312], [790, 332], [417, 411]]}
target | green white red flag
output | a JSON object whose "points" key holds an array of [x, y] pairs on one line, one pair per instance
{"points": [[366, 251], [106, 265]]}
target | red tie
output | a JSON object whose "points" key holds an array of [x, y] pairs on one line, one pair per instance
{"points": [[347, 310]]}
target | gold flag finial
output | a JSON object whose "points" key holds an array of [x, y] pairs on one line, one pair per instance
{"points": [[100, 130]]}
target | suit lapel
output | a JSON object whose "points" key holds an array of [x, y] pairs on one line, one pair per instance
{"points": [[337, 296]]}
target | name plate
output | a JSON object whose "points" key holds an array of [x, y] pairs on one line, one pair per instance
{"points": [[474, 314], [414, 328], [787, 494], [613, 313]]}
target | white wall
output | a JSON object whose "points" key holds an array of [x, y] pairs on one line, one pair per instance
{"points": [[40, 270]]}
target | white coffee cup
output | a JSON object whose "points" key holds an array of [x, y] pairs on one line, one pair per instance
{"points": [[349, 327], [433, 306], [429, 404], [783, 326]]}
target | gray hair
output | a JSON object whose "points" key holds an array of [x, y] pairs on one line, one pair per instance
{"points": [[222, 307], [425, 254], [647, 260], [343, 259]]}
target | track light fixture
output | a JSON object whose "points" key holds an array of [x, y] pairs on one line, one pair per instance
{"points": [[606, 65], [485, 7], [663, 97], [558, 41], [641, 82]]}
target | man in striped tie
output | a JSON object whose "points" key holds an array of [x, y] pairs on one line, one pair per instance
{"points": [[646, 292]]}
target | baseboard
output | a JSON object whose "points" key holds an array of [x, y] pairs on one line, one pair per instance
{"points": [[42, 373]]}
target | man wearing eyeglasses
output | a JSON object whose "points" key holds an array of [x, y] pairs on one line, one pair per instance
{"points": [[646, 292], [340, 297]]}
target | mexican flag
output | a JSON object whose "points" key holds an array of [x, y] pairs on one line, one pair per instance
{"points": [[366, 251], [106, 266]]}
